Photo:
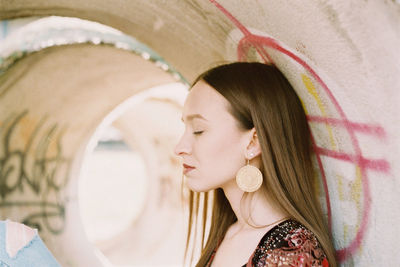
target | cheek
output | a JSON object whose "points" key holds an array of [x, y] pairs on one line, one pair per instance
{"points": [[221, 156]]}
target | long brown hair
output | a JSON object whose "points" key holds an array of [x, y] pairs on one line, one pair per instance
{"points": [[260, 96]]}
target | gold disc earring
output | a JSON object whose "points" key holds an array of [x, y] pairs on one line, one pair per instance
{"points": [[249, 178]]}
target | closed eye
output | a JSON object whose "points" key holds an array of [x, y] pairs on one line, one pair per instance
{"points": [[198, 132]]}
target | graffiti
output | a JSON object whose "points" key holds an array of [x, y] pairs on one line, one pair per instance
{"points": [[376, 130], [260, 43], [32, 166]]}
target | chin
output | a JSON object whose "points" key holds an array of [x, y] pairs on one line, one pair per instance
{"points": [[196, 186]]}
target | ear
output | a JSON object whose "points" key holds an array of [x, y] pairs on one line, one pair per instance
{"points": [[253, 148]]}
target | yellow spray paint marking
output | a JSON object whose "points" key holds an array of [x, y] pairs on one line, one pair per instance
{"points": [[356, 190], [345, 231], [304, 107], [339, 179], [312, 90], [356, 187]]}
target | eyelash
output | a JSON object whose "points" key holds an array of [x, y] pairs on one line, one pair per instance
{"points": [[198, 133]]}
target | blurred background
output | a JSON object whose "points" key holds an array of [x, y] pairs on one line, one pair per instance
{"points": [[128, 180]]}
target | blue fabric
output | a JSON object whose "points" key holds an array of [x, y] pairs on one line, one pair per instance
{"points": [[34, 254]]}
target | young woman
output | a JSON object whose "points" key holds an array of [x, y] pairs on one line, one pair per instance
{"points": [[247, 141]]}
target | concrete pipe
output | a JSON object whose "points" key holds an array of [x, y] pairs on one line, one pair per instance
{"points": [[341, 57]]}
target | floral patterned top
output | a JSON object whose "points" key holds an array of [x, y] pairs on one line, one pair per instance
{"points": [[289, 243]]}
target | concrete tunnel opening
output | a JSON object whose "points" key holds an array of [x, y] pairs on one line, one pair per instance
{"points": [[137, 100], [144, 188]]}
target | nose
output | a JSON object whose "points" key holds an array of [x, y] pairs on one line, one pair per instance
{"points": [[182, 147]]}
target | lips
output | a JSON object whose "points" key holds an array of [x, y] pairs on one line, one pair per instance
{"points": [[187, 168]]}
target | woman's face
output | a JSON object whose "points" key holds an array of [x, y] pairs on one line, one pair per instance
{"points": [[212, 147]]}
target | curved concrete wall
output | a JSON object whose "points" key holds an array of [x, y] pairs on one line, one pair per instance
{"points": [[49, 113], [341, 56]]}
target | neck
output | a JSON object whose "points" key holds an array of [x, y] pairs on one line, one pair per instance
{"points": [[256, 210]]}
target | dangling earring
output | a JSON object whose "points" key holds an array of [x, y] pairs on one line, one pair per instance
{"points": [[249, 178]]}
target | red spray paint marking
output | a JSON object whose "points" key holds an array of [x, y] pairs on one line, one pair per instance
{"points": [[259, 42], [377, 165], [357, 127]]}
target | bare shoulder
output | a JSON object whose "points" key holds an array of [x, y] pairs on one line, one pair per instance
{"points": [[289, 244]]}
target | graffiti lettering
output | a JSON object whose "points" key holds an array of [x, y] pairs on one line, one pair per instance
{"points": [[36, 171]]}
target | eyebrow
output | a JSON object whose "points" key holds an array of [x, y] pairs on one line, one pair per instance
{"points": [[193, 116]]}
